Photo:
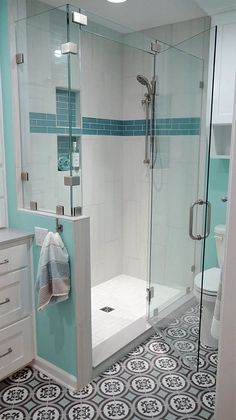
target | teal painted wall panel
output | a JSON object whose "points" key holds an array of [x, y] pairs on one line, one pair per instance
{"points": [[55, 327], [218, 188]]}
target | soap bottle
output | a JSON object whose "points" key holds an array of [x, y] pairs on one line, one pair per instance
{"points": [[75, 155]]}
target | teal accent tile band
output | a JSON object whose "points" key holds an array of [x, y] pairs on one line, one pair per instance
{"points": [[54, 124]]}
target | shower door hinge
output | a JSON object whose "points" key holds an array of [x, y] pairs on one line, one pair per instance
{"points": [[34, 205], [201, 84], [156, 47], [19, 58], [24, 176], [150, 294], [79, 18], [76, 211], [71, 181], [69, 47], [193, 268], [60, 210]]}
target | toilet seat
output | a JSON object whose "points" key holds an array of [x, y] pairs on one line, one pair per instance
{"points": [[211, 281]]}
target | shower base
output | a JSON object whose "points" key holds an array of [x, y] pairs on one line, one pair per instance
{"points": [[119, 314]]}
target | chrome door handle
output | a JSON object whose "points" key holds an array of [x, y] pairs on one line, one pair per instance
{"points": [[6, 261], [224, 199], [199, 237], [8, 352], [7, 300]]}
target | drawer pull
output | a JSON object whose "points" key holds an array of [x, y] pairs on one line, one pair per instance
{"points": [[5, 354], [5, 301], [6, 261]]}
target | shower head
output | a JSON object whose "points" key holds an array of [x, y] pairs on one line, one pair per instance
{"points": [[145, 82]]}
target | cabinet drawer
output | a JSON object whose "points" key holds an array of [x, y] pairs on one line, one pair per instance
{"points": [[16, 346], [15, 296], [13, 258]]}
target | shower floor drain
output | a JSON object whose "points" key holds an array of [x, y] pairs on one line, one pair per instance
{"points": [[107, 309]]}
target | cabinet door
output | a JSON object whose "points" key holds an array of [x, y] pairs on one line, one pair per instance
{"points": [[16, 346], [225, 69]]}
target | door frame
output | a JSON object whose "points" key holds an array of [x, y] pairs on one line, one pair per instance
{"points": [[203, 167], [226, 374]]}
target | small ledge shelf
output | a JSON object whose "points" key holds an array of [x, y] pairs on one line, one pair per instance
{"points": [[220, 157], [221, 142]]}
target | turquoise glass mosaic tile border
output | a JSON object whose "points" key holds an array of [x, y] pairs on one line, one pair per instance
{"points": [[47, 123]]}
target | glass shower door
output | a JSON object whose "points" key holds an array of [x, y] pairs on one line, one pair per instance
{"points": [[50, 123], [180, 213]]}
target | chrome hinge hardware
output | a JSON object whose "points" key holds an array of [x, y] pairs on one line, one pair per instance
{"points": [[76, 211], [60, 210], [156, 47], [69, 48], [24, 176], [33, 205], [150, 294], [71, 181], [201, 84], [79, 18], [19, 58]]}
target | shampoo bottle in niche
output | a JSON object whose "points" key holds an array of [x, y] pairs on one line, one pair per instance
{"points": [[75, 155]]}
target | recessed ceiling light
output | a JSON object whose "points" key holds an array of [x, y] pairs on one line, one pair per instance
{"points": [[116, 1]]}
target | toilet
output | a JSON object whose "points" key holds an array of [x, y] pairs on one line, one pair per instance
{"points": [[211, 282]]}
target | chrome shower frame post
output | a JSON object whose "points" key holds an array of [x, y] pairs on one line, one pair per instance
{"points": [[147, 102]]}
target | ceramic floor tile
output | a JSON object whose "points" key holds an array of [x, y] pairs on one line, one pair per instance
{"points": [[156, 380]]}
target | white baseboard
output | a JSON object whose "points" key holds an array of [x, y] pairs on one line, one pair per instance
{"points": [[59, 375]]}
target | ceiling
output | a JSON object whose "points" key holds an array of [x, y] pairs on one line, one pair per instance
{"points": [[216, 6], [143, 14]]}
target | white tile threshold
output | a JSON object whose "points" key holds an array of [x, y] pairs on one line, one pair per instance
{"points": [[114, 330]]}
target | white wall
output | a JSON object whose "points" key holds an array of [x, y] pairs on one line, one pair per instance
{"points": [[226, 372], [176, 33]]}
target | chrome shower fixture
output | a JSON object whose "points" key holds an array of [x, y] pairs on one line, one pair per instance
{"points": [[145, 82]]}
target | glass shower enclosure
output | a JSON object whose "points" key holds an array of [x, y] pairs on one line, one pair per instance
{"points": [[50, 115], [89, 147], [180, 210]]}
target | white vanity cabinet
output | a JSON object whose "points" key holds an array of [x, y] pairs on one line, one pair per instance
{"points": [[225, 67], [16, 306]]}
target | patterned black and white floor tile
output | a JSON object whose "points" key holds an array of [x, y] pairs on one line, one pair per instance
{"points": [[155, 381]]}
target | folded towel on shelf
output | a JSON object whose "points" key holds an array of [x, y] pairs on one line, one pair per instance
{"points": [[215, 326], [53, 277]]}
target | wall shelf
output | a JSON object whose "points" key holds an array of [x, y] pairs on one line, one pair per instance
{"points": [[221, 141], [220, 157]]}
